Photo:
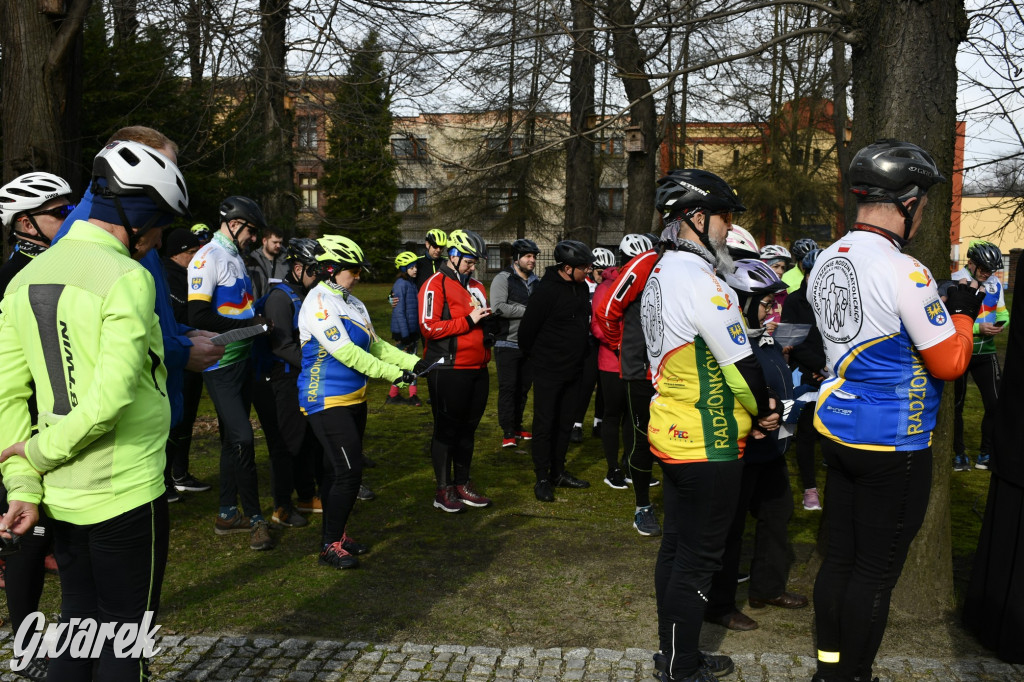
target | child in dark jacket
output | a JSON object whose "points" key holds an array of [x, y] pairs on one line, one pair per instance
{"points": [[405, 327]]}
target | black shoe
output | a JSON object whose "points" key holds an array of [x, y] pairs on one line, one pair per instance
{"points": [[616, 479], [567, 480], [365, 494], [190, 484], [576, 435], [172, 495], [543, 491], [717, 665]]}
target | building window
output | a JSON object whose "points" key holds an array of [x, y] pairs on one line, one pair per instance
{"points": [[700, 157], [306, 136], [500, 198], [308, 190], [409, 148], [513, 146], [612, 200], [411, 200], [817, 157], [612, 146], [735, 157], [798, 156]]}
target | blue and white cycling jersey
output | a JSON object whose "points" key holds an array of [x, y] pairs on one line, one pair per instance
{"points": [[876, 308]]}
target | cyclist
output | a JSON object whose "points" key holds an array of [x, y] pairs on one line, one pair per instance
{"points": [[553, 334], [984, 260], [405, 328], [454, 323], [778, 259], [889, 344], [617, 312], [96, 463], [613, 389], [708, 389], [435, 243], [220, 299], [295, 468], [603, 258], [510, 291], [798, 249], [33, 207], [202, 232]]}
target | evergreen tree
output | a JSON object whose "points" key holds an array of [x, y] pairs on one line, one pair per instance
{"points": [[359, 172]]}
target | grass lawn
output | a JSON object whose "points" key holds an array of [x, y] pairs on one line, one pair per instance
{"points": [[571, 573]]}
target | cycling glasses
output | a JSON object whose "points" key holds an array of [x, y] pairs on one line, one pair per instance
{"points": [[59, 212]]}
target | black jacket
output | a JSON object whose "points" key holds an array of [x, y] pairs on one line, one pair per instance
{"points": [[555, 329], [425, 267], [177, 287], [809, 355], [281, 310], [780, 381]]}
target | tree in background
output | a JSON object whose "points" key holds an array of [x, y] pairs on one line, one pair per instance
{"points": [[359, 178]]}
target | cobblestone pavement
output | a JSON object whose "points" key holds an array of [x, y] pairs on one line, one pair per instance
{"points": [[264, 659]]}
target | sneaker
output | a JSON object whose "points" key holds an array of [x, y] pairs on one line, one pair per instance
{"points": [[35, 670], [190, 484], [567, 480], [508, 440], [811, 500], [654, 482], [447, 500], [471, 497], [289, 518], [365, 494], [313, 506], [982, 462], [259, 536], [525, 435], [232, 525], [717, 665], [414, 401], [336, 556], [351, 546], [597, 430], [576, 435], [742, 578], [961, 463], [172, 495], [645, 522], [543, 491], [616, 479], [395, 400]]}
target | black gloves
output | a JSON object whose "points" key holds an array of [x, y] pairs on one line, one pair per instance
{"points": [[963, 299], [406, 378], [421, 366]]}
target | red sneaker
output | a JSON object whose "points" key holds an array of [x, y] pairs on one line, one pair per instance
{"points": [[448, 500], [470, 496], [508, 442], [525, 435]]}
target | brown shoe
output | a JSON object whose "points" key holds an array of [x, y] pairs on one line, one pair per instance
{"points": [[786, 600], [737, 620]]}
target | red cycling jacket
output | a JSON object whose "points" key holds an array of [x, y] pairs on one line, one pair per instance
{"points": [[619, 318], [448, 332]]}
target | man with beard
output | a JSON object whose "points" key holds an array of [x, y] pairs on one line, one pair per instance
{"points": [[709, 391]]}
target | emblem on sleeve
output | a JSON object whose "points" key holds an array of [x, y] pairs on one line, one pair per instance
{"points": [[836, 300], [722, 302], [936, 313], [333, 334], [199, 264], [197, 282], [736, 333]]}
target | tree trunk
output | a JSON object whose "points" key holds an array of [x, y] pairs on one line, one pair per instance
{"points": [[279, 205], [580, 169], [641, 166], [126, 20], [195, 38], [840, 68], [904, 87]]}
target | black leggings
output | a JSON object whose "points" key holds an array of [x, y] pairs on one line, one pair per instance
{"points": [[806, 438], [876, 504], [615, 418], [110, 571], [457, 400], [24, 573], [230, 389], [340, 431], [297, 467], [985, 371], [179, 440], [638, 455]]}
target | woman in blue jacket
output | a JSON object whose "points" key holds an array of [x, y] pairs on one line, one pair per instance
{"points": [[405, 328]]}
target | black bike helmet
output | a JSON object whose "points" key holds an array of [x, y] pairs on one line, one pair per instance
{"points": [[801, 247], [684, 192], [478, 243], [574, 253], [809, 259], [303, 250], [521, 247], [242, 208], [985, 254]]}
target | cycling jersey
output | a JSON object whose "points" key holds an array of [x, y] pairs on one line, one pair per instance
{"points": [[993, 309], [694, 330], [448, 331], [620, 319], [877, 310], [340, 350], [217, 275]]}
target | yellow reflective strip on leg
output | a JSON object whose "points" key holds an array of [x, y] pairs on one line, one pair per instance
{"points": [[828, 656]]}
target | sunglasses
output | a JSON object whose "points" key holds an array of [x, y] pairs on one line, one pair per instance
{"points": [[726, 216], [59, 212]]}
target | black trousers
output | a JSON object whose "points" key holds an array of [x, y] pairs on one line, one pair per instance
{"points": [[179, 440], [764, 494], [876, 504], [340, 431], [230, 388], [24, 573], [293, 467], [585, 389], [638, 456], [984, 369], [554, 400], [806, 438], [616, 421], [457, 400], [700, 502], [514, 378], [112, 572]]}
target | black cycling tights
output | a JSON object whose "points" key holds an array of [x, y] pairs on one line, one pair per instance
{"points": [[340, 432], [876, 505], [457, 399], [24, 573]]}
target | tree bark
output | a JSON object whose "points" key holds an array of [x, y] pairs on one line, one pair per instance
{"points": [[126, 20], [280, 203], [580, 168], [904, 87]]}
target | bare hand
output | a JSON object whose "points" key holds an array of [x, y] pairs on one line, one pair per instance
{"points": [[987, 329], [200, 332], [203, 354], [769, 327], [772, 421], [20, 518], [18, 449], [478, 314]]}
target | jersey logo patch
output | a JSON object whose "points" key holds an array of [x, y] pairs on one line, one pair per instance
{"points": [[197, 282], [736, 334], [836, 300], [321, 314], [651, 319], [936, 313], [920, 279], [332, 334], [199, 264], [722, 303]]}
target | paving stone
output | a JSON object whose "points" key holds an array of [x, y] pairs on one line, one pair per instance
{"points": [[549, 653], [299, 676], [417, 649], [483, 651], [520, 651], [607, 654], [634, 654], [579, 652], [262, 643], [449, 649]]}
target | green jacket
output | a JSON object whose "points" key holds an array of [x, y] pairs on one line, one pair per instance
{"points": [[79, 321]]}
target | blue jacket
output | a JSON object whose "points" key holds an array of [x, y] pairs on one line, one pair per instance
{"points": [[405, 317]]}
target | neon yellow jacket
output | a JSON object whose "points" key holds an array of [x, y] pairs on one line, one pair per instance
{"points": [[79, 321]]}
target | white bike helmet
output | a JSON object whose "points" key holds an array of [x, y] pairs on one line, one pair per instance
{"points": [[132, 169], [634, 244], [741, 244], [774, 251], [603, 258], [30, 191]]}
